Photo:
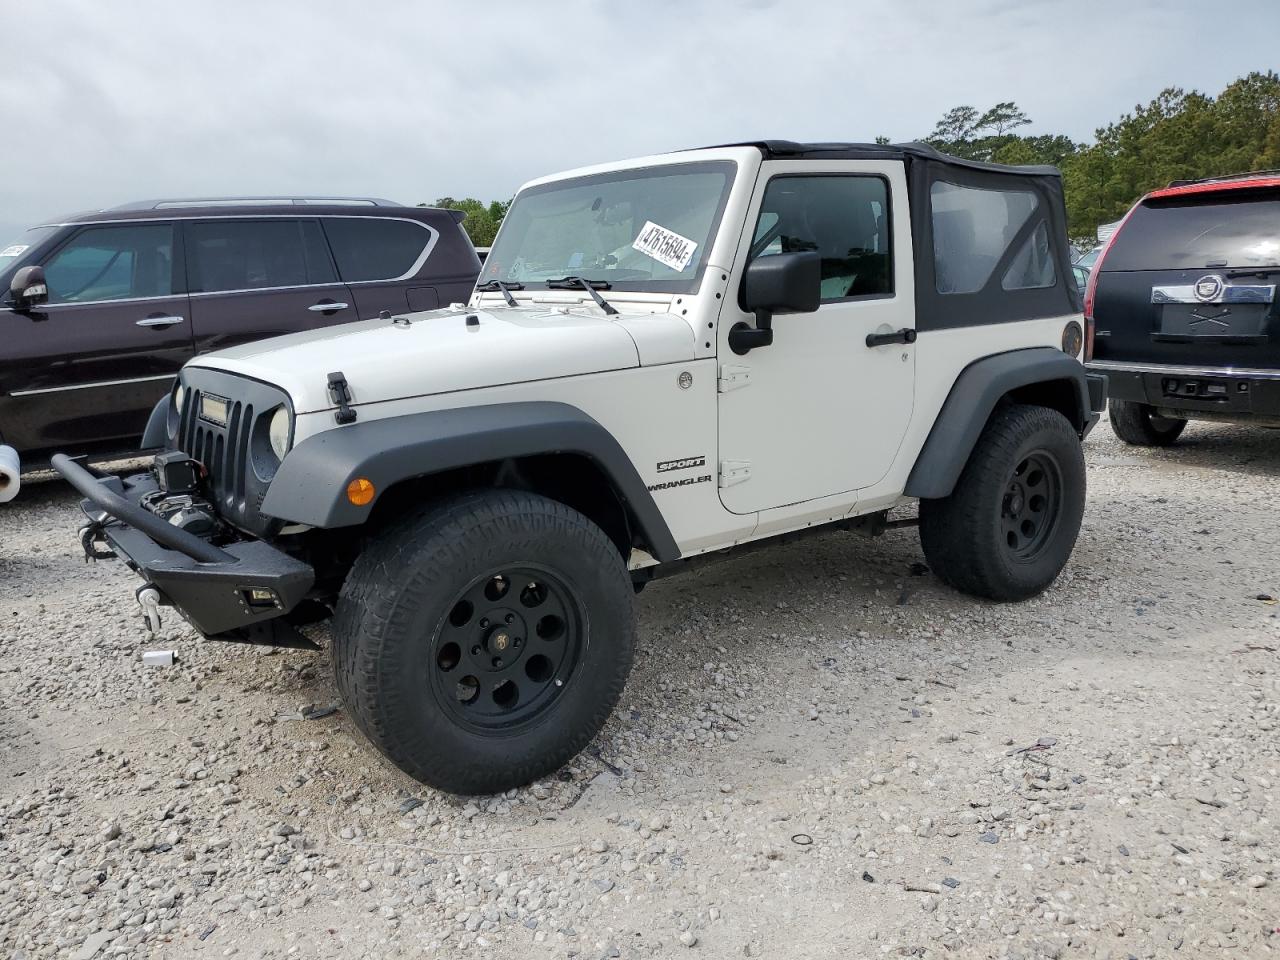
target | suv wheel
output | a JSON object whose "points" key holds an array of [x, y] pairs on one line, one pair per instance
{"points": [[483, 642], [1137, 424], [1009, 526]]}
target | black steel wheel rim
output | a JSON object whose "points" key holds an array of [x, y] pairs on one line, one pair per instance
{"points": [[1031, 506], [506, 648]]}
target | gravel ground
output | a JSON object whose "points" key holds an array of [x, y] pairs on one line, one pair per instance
{"points": [[822, 753]]}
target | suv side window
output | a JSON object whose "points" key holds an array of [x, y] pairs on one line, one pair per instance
{"points": [[113, 263], [367, 248], [973, 228], [845, 218], [229, 255]]}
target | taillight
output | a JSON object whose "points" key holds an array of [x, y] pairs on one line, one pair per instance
{"points": [[1091, 288]]}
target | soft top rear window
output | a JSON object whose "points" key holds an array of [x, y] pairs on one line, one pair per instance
{"points": [[1198, 232]]}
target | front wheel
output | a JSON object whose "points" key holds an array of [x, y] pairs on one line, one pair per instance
{"points": [[483, 642], [1008, 528]]}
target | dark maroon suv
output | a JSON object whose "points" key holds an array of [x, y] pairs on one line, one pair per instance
{"points": [[101, 310]]}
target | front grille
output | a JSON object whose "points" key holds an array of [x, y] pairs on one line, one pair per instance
{"points": [[233, 485]]}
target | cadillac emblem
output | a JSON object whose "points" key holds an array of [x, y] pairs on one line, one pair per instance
{"points": [[1209, 288]]}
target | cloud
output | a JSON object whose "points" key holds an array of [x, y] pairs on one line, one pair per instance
{"points": [[415, 100]]}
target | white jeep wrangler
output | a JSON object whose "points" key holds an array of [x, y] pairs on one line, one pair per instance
{"points": [[663, 359]]}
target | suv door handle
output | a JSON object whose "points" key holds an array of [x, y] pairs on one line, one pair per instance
{"points": [[328, 307], [159, 321], [905, 335]]}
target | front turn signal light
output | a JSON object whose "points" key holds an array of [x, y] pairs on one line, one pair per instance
{"points": [[360, 491]]}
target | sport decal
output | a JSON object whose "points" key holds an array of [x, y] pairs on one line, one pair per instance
{"points": [[685, 464], [665, 246]]}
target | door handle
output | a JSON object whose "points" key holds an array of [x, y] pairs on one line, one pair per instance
{"points": [[328, 307], [159, 321], [905, 335]]}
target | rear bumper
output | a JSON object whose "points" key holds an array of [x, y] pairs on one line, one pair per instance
{"points": [[227, 593], [1212, 392]]}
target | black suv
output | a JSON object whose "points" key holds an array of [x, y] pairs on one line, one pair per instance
{"points": [[103, 309], [1182, 306]]}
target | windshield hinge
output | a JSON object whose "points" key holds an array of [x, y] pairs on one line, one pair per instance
{"points": [[340, 394], [733, 376], [734, 471]]}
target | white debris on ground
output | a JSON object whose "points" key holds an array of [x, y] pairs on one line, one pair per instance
{"points": [[822, 753]]}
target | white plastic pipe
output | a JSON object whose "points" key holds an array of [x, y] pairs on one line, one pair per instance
{"points": [[10, 473]]}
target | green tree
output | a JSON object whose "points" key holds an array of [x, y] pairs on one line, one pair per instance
{"points": [[1180, 135], [482, 220]]}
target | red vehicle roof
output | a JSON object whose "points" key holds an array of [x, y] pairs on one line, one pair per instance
{"points": [[1216, 186]]}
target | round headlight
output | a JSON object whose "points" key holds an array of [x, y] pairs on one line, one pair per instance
{"points": [[278, 432], [179, 394]]}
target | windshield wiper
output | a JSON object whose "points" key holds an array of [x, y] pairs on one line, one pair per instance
{"points": [[591, 286], [1259, 272], [506, 289]]}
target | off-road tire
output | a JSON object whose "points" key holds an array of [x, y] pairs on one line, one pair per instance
{"points": [[393, 609], [964, 535], [1137, 424]]}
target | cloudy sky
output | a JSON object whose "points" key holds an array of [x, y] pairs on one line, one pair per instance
{"points": [[109, 102]]}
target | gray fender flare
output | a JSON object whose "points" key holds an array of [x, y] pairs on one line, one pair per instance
{"points": [[310, 485], [156, 435], [968, 406]]}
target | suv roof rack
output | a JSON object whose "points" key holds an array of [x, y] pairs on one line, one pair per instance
{"points": [[1228, 178], [233, 201]]}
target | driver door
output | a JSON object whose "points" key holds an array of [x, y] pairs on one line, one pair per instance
{"points": [[819, 412]]}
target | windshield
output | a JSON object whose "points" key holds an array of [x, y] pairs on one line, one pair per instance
{"points": [[9, 252], [636, 229]]}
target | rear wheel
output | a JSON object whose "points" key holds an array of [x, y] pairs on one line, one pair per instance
{"points": [[1008, 528], [1137, 424], [482, 643]]}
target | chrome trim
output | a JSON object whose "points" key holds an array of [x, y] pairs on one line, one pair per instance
{"points": [[300, 286], [328, 307], [46, 307], [1182, 371], [87, 386], [158, 321], [1222, 292]]}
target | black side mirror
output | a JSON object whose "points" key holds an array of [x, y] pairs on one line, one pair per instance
{"points": [[28, 288], [781, 283]]}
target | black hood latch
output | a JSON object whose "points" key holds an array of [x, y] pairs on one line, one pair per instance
{"points": [[340, 394]]}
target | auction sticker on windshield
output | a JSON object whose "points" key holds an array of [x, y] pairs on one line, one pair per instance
{"points": [[15, 250], [665, 246]]}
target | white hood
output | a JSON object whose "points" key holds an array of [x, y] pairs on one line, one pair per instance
{"points": [[438, 352]]}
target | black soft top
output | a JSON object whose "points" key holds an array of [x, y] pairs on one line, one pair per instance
{"points": [[790, 150], [940, 243]]}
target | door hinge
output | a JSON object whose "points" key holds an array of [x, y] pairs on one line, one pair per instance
{"points": [[733, 376], [734, 471]]}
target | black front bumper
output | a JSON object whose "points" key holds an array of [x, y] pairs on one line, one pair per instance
{"points": [[233, 592], [1209, 391]]}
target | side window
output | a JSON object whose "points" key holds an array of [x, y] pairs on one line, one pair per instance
{"points": [[113, 263], [1032, 267], [227, 255], [972, 230], [367, 248], [844, 218]]}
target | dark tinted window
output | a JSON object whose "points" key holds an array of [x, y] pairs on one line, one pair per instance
{"points": [[255, 254], [113, 263], [845, 219], [369, 249], [1198, 232], [972, 229]]}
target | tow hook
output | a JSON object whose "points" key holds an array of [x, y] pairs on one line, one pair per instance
{"points": [[94, 543], [149, 599]]}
